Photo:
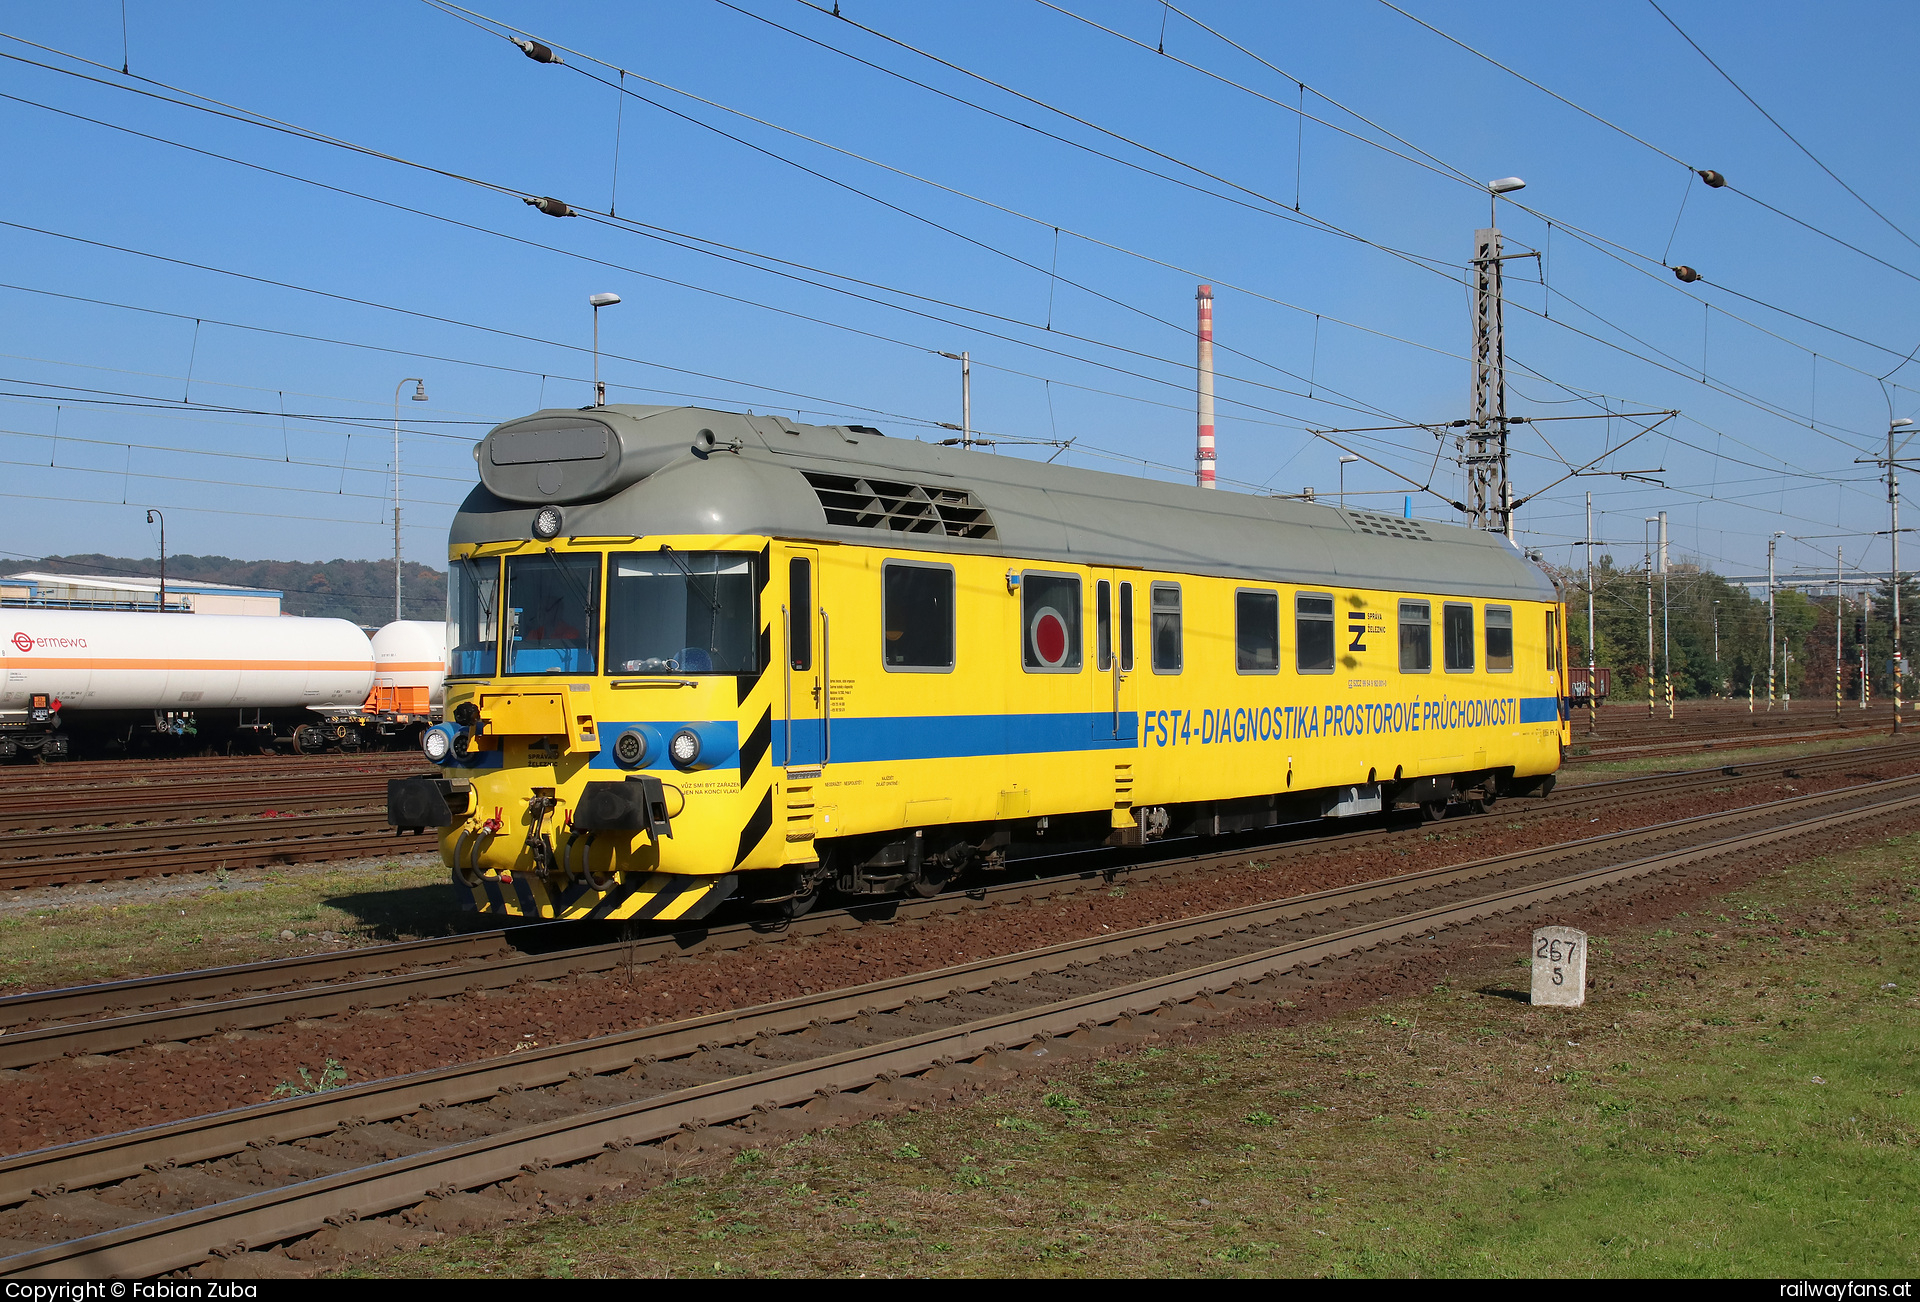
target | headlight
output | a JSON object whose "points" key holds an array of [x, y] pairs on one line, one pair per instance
{"points": [[684, 749], [437, 744], [466, 714], [630, 748], [547, 521]]}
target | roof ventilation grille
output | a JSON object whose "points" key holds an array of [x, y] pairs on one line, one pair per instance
{"points": [[899, 507], [1388, 526]]}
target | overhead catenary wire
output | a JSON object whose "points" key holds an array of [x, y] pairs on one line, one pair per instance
{"points": [[644, 363], [1640, 140], [802, 316], [1772, 409], [654, 233], [1779, 126]]}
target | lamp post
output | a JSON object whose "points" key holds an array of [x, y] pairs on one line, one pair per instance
{"points": [[599, 301], [419, 395], [1344, 463], [153, 515]]}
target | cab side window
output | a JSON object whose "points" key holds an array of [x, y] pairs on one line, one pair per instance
{"points": [[800, 618], [917, 607]]}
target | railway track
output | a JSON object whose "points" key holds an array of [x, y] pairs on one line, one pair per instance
{"points": [[329, 814], [66, 775], [1690, 739], [562, 1122], [195, 821], [111, 1017], [159, 818]]}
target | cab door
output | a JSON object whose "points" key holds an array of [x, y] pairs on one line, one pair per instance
{"points": [[804, 665], [1115, 598]]}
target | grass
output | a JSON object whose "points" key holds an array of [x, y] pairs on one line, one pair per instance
{"points": [[211, 920], [1740, 1096]]}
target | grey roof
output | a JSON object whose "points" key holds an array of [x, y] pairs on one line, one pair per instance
{"points": [[632, 471]]}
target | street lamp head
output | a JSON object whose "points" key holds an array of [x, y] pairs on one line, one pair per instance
{"points": [[603, 300], [1900, 423], [419, 390], [1347, 461], [1506, 185], [150, 514]]}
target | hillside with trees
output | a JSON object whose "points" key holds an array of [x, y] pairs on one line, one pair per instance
{"points": [[361, 591]]}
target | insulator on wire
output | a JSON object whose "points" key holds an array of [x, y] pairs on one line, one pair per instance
{"points": [[1686, 274], [1712, 177], [551, 207], [536, 51]]}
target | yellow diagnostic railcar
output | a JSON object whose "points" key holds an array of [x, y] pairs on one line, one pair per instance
{"points": [[695, 655]]}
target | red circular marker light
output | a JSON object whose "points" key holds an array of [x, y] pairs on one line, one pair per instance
{"points": [[1049, 634]]}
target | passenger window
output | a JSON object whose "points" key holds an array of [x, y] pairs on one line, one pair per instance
{"points": [[1313, 634], [1457, 630], [1050, 619], [1499, 639], [1256, 632], [1126, 628], [1416, 637], [1103, 624], [917, 605], [800, 615], [1167, 649]]}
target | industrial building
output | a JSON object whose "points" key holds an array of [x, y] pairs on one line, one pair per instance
{"points": [[40, 591]]}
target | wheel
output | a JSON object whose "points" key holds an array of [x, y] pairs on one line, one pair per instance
{"points": [[1434, 810]]}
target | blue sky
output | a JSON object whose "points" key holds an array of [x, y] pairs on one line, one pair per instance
{"points": [[1350, 312]]}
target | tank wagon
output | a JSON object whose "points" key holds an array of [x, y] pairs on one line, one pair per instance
{"points": [[72, 678], [696, 655]]}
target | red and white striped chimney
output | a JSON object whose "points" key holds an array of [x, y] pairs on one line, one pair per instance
{"points": [[1203, 455]]}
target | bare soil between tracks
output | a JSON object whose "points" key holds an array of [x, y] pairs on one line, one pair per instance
{"points": [[73, 1099], [1735, 1100]]}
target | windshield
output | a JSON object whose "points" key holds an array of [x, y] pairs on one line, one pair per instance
{"points": [[552, 613], [473, 617], [671, 612]]}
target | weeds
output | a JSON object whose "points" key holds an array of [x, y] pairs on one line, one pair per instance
{"points": [[332, 1076]]}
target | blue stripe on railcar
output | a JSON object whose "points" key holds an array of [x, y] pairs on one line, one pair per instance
{"points": [[1539, 709]]}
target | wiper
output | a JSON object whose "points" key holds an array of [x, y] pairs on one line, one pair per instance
{"points": [[674, 556], [586, 601], [486, 619]]}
